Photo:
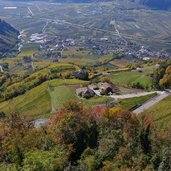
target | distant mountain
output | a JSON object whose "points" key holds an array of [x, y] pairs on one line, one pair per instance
{"points": [[158, 4], [8, 36]]}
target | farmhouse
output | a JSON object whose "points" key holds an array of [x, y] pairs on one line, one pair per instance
{"points": [[107, 88], [85, 92], [93, 87]]}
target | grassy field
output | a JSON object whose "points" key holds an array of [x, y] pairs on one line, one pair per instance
{"points": [[145, 81], [161, 112], [37, 101], [61, 94], [33, 103], [126, 79], [132, 102]]}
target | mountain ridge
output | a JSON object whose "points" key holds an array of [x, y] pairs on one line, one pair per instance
{"points": [[156, 4], [8, 36]]}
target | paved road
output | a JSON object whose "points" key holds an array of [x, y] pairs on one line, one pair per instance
{"points": [[127, 96], [151, 102]]}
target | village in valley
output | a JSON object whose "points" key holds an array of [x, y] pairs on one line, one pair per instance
{"points": [[85, 85], [83, 55]]}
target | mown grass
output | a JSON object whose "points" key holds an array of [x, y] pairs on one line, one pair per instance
{"points": [[127, 78], [132, 102], [145, 81], [161, 113], [61, 94]]}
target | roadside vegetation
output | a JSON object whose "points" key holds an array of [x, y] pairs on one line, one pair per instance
{"points": [[133, 103], [161, 113]]}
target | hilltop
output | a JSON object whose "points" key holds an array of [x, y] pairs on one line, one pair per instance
{"points": [[8, 36]]}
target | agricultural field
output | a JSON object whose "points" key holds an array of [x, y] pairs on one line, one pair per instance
{"points": [[161, 113], [33, 103], [49, 97], [39, 101], [80, 61], [128, 78]]}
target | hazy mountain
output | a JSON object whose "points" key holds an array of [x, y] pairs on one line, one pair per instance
{"points": [[8, 36], [158, 4]]}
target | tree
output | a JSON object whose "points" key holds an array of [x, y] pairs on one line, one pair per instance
{"points": [[145, 141], [2, 115], [45, 160]]}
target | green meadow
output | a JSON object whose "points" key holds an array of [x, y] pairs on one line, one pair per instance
{"points": [[128, 78], [38, 101]]}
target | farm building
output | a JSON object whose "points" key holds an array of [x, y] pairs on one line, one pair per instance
{"points": [[85, 92], [107, 88]]}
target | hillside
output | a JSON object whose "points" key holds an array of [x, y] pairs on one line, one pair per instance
{"points": [[8, 36]]}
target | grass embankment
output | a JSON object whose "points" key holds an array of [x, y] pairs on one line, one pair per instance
{"points": [[161, 113], [136, 101]]}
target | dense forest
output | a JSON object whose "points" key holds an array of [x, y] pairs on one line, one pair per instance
{"points": [[89, 139]]}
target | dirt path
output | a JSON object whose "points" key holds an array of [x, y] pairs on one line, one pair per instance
{"points": [[53, 110]]}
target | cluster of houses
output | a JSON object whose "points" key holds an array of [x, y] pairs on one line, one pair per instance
{"points": [[101, 89], [52, 47]]}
